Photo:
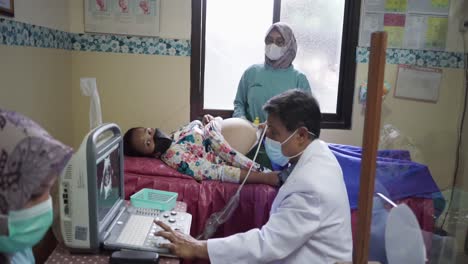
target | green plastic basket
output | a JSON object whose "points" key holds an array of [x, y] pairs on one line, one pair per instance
{"points": [[155, 199]]}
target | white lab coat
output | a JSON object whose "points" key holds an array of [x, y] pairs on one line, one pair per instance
{"points": [[309, 221]]}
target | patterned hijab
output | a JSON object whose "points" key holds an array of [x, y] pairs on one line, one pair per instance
{"points": [[286, 60], [29, 161]]}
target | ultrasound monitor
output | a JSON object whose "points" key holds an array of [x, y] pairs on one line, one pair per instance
{"points": [[91, 189], [93, 212]]}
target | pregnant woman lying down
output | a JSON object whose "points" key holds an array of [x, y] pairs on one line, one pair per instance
{"points": [[213, 151]]}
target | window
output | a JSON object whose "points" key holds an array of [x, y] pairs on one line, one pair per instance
{"points": [[228, 36]]}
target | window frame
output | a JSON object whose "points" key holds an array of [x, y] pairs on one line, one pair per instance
{"points": [[344, 107]]}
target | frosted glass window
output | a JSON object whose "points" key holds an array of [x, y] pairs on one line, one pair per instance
{"points": [[318, 26], [234, 40], [235, 33]]}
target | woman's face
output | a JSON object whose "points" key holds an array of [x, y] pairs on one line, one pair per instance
{"points": [[143, 141], [274, 37]]}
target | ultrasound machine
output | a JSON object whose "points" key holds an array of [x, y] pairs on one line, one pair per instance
{"points": [[93, 210]]}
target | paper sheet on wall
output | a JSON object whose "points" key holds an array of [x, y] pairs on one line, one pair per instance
{"points": [[416, 27], [440, 3], [396, 5], [372, 22], [426, 32], [394, 24], [129, 17], [425, 23], [436, 33], [429, 6], [408, 6], [375, 5], [395, 36], [418, 83]]}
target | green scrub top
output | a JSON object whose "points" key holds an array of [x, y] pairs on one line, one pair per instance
{"points": [[261, 82]]}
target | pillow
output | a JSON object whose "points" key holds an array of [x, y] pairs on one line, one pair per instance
{"points": [[239, 133]]}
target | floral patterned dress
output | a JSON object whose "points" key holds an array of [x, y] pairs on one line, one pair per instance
{"points": [[201, 152]]}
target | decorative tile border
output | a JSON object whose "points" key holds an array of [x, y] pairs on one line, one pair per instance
{"points": [[21, 34], [423, 58], [129, 44]]}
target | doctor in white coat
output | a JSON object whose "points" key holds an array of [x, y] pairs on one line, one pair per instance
{"points": [[310, 217]]}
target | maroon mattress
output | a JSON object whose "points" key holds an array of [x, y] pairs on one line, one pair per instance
{"points": [[204, 198], [208, 197]]}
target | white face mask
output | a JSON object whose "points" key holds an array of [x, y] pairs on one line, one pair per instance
{"points": [[274, 52]]}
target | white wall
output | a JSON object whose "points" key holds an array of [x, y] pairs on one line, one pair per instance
{"points": [[36, 81], [135, 89], [48, 13], [175, 18]]}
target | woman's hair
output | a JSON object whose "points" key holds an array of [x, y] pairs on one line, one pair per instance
{"points": [[295, 109], [129, 148]]}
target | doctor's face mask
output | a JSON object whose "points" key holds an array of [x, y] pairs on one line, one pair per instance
{"points": [[278, 137], [274, 150]]}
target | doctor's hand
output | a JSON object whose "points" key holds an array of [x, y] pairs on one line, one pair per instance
{"points": [[182, 245], [207, 119]]}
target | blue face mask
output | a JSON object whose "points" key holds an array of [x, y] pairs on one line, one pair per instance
{"points": [[27, 227], [275, 152]]}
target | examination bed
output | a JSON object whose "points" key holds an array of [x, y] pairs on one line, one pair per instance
{"points": [[397, 177]]}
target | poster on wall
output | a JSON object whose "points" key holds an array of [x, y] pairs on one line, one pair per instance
{"points": [[415, 24], [7, 7], [126, 17]]}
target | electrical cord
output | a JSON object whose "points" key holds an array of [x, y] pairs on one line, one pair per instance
{"points": [[218, 218], [460, 131]]}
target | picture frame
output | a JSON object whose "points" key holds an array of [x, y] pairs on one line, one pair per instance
{"points": [[125, 17], [7, 8]]}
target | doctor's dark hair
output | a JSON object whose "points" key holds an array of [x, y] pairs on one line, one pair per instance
{"points": [[296, 108], [129, 149]]}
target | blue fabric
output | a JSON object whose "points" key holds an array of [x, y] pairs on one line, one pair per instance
{"points": [[277, 167], [24, 256], [377, 232], [397, 176]]}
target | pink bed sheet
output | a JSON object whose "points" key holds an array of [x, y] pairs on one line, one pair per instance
{"points": [[204, 198]]}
